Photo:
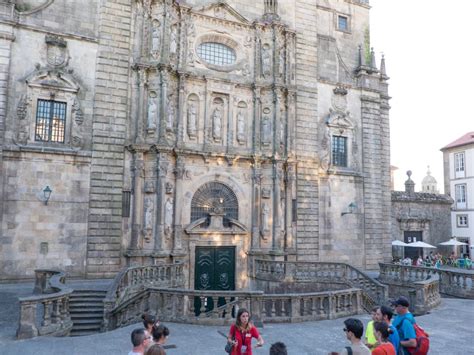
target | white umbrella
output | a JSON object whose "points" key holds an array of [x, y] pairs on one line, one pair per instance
{"points": [[420, 245], [453, 242], [399, 243]]}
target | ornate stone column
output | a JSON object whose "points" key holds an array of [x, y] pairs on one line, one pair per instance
{"points": [[164, 82], [178, 205], [277, 241], [161, 192], [138, 172], [256, 198], [142, 102], [290, 190]]}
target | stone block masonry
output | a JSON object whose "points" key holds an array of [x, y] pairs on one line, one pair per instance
{"points": [[108, 139]]}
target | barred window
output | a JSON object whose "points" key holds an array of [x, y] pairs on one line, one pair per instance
{"points": [[216, 53], [50, 121], [339, 151], [342, 23]]}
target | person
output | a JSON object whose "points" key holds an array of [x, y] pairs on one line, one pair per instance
{"points": [[370, 339], [278, 348], [140, 340], [149, 321], [354, 330], [241, 334], [419, 261], [403, 322], [155, 350], [385, 314], [382, 332], [160, 334]]}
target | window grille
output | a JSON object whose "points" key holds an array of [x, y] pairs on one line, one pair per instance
{"points": [[339, 151], [211, 197], [126, 203], [50, 121], [342, 23], [216, 53]]}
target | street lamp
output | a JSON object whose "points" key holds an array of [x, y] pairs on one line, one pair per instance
{"points": [[351, 209], [47, 194]]}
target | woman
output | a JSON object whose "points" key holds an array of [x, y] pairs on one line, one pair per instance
{"points": [[241, 334], [160, 334], [382, 332], [155, 350], [149, 322]]}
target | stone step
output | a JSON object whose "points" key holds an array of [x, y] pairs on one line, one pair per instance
{"points": [[87, 315], [83, 304], [87, 321], [80, 333]]}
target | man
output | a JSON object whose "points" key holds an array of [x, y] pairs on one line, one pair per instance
{"points": [[140, 341], [385, 314], [403, 322], [354, 330], [370, 339], [278, 348]]}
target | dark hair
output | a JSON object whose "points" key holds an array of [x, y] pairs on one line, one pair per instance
{"points": [[148, 319], [155, 350], [355, 326], [159, 332], [138, 336], [278, 348], [383, 328], [374, 309], [386, 311], [239, 313]]}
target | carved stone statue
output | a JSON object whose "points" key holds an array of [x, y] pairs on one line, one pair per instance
{"points": [[155, 39], [217, 124], [173, 40], [266, 60], [265, 218], [192, 120], [170, 117], [281, 63], [282, 130], [151, 121], [168, 216], [240, 127], [148, 213], [266, 130]]}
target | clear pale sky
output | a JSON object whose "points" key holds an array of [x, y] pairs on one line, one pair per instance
{"points": [[428, 47]]}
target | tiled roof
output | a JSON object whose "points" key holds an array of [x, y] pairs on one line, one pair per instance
{"points": [[401, 196], [468, 138]]}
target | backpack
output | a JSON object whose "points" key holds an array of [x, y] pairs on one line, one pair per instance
{"points": [[422, 341]]}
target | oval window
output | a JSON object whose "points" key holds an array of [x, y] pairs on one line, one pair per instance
{"points": [[216, 53]]}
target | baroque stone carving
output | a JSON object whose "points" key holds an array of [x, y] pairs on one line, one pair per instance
{"points": [[266, 128], [192, 119], [241, 136], [149, 207], [149, 186], [169, 188], [21, 114], [170, 116], [155, 39], [77, 134], [56, 55], [152, 111], [266, 192], [168, 216], [266, 60], [265, 220], [173, 40], [217, 124]]}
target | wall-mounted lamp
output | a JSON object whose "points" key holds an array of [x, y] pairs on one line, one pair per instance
{"points": [[350, 209], [47, 194]]}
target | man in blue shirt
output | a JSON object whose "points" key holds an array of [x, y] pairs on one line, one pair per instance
{"points": [[403, 322], [385, 314]]}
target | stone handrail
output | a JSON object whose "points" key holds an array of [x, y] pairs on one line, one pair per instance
{"points": [[374, 292], [458, 283], [426, 295], [133, 280], [46, 313], [178, 305]]}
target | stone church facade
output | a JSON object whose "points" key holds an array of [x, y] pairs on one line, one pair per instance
{"points": [[197, 131]]}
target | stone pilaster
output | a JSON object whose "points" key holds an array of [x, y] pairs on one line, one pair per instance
{"points": [[178, 205], [108, 138]]}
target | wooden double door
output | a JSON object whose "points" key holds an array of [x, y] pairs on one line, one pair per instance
{"points": [[214, 271]]}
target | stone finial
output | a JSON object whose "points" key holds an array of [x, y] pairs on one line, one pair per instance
{"points": [[271, 10], [372, 59], [409, 184], [383, 72]]}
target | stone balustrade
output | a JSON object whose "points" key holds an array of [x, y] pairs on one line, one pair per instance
{"points": [[48, 312], [458, 283], [374, 292], [220, 307]]}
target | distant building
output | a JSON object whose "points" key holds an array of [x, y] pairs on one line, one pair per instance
{"points": [[429, 183], [420, 216], [458, 158]]}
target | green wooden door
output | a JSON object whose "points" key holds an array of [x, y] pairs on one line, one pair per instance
{"points": [[214, 270]]}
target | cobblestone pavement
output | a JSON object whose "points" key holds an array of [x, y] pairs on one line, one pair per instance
{"points": [[450, 326]]}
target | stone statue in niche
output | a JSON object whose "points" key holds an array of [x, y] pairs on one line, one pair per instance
{"points": [[173, 40], [217, 124], [149, 187], [266, 192], [266, 130], [170, 116], [192, 120], [148, 217], [168, 216], [168, 188], [281, 63], [282, 130], [240, 127], [155, 39], [266, 60], [152, 109], [265, 219]]}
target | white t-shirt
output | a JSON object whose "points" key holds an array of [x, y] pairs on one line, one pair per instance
{"points": [[134, 353], [359, 349]]}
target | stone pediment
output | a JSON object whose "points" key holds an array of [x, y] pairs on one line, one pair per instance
{"points": [[222, 10], [53, 79], [215, 226]]}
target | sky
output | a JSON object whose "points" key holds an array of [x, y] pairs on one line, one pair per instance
{"points": [[429, 52]]}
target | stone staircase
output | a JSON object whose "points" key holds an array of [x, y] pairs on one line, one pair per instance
{"points": [[87, 311]]}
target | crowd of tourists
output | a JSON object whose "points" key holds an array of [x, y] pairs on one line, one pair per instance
{"points": [[437, 260], [392, 331]]}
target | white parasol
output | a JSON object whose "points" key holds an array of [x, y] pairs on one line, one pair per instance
{"points": [[420, 245], [399, 243], [453, 242]]}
